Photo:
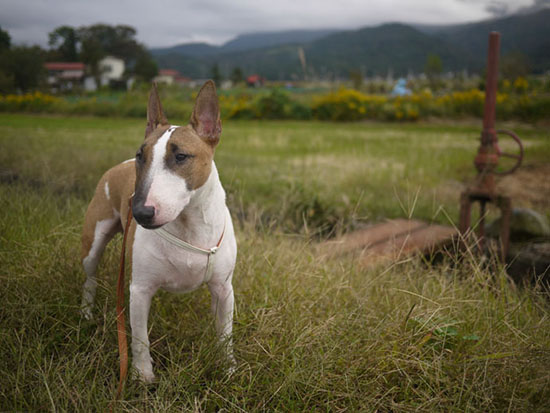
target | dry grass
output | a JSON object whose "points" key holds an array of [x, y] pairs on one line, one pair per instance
{"points": [[310, 335]]}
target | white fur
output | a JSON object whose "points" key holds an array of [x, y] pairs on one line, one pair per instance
{"points": [[168, 192], [107, 190], [129, 160], [102, 231], [158, 264]]}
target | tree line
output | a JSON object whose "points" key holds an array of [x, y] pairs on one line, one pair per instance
{"points": [[22, 67]]}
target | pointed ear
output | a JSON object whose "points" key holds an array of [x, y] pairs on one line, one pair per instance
{"points": [[155, 114], [206, 114]]}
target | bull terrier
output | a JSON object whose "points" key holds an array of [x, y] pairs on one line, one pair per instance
{"points": [[181, 236]]}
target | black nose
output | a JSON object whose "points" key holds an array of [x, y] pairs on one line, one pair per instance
{"points": [[143, 214]]}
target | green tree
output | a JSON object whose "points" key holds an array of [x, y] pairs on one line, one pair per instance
{"points": [[26, 65], [63, 41], [237, 75], [91, 54], [6, 76], [5, 40], [145, 68], [433, 69], [100, 40], [118, 40], [216, 75]]}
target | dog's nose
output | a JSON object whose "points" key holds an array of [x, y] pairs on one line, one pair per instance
{"points": [[143, 214]]}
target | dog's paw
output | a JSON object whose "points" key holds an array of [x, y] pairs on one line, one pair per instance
{"points": [[231, 366], [86, 313], [144, 375]]}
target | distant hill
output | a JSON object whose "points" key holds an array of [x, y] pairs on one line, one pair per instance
{"points": [[187, 49], [395, 47], [375, 50], [269, 39], [526, 33], [245, 42]]}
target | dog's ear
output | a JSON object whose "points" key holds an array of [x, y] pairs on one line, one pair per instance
{"points": [[205, 118], [155, 114]]}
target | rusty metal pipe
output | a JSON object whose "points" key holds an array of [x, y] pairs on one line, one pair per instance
{"points": [[486, 160], [491, 86]]}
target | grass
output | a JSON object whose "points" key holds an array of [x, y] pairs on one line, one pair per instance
{"points": [[310, 334]]}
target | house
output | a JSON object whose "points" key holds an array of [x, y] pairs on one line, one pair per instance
{"points": [[65, 75], [255, 81], [171, 77], [111, 71]]}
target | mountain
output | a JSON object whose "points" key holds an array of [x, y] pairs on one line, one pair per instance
{"points": [[269, 39], [525, 33], [187, 49], [375, 50], [394, 47]]}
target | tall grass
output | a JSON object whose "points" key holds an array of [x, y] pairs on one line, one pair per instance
{"points": [[311, 333]]}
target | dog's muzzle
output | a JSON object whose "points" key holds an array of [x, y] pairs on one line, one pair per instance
{"points": [[144, 215]]}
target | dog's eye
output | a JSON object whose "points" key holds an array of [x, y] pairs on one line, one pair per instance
{"points": [[182, 157], [139, 155]]}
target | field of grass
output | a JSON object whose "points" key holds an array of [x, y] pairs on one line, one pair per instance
{"points": [[310, 334]]}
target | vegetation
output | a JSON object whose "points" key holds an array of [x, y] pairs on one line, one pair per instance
{"points": [[520, 99], [311, 334], [22, 67]]}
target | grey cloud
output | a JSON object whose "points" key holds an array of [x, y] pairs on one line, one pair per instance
{"points": [[168, 22]]}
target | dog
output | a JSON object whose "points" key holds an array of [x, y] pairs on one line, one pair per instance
{"points": [[181, 236]]}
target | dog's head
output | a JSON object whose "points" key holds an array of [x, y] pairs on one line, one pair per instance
{"points": [[174, 161]]}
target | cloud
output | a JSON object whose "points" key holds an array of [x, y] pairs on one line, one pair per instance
{"points": [[498, 8], [501, 8], [169, 22]]}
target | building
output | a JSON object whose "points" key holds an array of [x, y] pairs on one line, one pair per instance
{"points": [[65, 75], [255, 80], [111, 71], [171, 77]]}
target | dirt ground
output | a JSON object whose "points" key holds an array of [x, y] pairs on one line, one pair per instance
{"points": [[529, 187]]}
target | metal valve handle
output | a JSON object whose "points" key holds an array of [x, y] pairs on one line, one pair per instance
{"points": [[519, 156]]}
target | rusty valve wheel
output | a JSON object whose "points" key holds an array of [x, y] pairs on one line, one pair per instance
{"points": [[518, 156]]}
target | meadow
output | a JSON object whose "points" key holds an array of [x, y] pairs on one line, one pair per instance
{"points": [[311, 333]]}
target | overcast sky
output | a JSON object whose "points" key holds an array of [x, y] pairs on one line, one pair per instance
{"points": [[170, 22]]}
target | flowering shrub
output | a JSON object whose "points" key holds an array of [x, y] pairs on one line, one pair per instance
{"points": [[344, 105], [275, 105], [30, 102]]}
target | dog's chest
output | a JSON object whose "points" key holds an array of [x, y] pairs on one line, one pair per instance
{"points": [[157, 263]]}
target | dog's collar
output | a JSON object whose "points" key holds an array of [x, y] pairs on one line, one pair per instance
{"points": [[172, 239]]}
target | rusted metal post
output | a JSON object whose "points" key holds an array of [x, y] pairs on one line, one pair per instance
{"points": [[488, 152], [486, 161]]}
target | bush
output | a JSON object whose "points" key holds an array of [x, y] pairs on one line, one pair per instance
{"points": [[31, 102], [343, 105]]}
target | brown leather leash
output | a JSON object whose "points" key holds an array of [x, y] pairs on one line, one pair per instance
{"points": [[120, 318]]}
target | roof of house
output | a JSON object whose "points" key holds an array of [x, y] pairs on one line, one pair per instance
{"points": [[254, 78], [168, 72], [64, 66]]}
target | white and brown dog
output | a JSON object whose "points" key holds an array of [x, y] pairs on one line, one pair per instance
{"points": [[182, 235]]}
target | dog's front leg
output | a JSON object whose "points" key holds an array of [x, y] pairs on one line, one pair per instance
{"points": [[140, 303], [222, 309]]}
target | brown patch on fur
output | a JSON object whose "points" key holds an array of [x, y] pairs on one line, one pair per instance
{"points": [[197, 167], [198, 139], [121, 179]]}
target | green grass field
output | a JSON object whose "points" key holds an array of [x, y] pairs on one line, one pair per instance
{"points": [[310, 334]]}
